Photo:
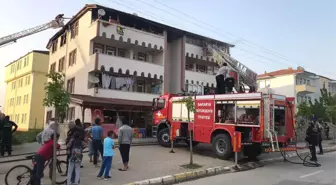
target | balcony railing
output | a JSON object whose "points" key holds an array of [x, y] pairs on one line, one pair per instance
{"points": [[128, 66], [131, 35], [200, 77], [305, 88]]}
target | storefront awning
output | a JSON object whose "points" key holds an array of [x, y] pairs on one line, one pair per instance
{"points": [[89, 101]]}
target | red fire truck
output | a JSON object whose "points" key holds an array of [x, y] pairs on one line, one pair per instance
{"points": [[265, 121]]}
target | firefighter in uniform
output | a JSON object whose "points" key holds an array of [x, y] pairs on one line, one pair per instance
{"points": [[7, 134], [312, 139]]}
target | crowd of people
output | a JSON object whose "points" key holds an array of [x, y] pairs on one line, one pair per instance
{"points": [[79, 137]]}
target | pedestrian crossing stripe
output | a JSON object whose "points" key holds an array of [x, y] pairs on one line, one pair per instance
{"points": [[281, 149]]}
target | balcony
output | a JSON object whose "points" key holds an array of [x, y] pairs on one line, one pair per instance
{"points": [[201, 78], [127, 66], [131, 35], [305, 88], [117, 94]]}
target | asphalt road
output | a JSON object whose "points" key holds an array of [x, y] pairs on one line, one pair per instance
{"points": [[280, 174]]}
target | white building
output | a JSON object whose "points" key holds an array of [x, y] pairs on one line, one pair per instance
{"points": [[135, 60], [298, 83]]}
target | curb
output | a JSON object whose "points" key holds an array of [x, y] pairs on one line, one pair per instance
{"points": [[197, 174]]}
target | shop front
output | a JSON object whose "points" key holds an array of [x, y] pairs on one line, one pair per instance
{"points": [[113, 111]]}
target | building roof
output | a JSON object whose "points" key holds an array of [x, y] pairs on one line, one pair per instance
{"points": [[89, 7], [87, 100], [33, 51], [280, 72]]}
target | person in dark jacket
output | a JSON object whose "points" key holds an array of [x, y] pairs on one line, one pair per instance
{"points": [[7, 134], [312, 139], [81, 131]]}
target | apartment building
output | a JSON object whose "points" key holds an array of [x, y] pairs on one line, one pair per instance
{"points": [[117, 63], [25, 78], [298, 83]]}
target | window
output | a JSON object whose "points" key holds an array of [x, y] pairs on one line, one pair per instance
{"points": [[12, 68], [324, 85], [189, 66], [140, 86], [61, 64], [54, 46], [53, 67], [71, 85], [111, 51], [23, 118], [48, 116], [20, 82], [201, 68], [98, 48], [248, 112], [304, 81], [27, 80], [18, 65], [71, 113], [63, 39], [74, 30], [121, 52], [25, 99], [13, 85], [308, 82], [11, 102], [268, 83], [72, 57], [18, 100], [142, 56], [25, 62]]}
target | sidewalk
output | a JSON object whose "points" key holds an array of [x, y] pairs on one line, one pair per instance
{"points": [[32, 147]]}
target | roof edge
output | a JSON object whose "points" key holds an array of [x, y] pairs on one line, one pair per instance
{"points": [[44, 52]]}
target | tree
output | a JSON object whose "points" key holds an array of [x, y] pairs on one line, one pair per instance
{"points": [[56, 96], [190, 105], [304, 111]]}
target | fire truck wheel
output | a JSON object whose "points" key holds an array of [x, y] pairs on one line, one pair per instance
{"points": [[221, 145], [164, 138]]}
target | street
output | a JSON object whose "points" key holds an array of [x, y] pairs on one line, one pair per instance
{"points": [[281, 173]]}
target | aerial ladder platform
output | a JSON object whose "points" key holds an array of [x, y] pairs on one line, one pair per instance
{"points": [[247, 77], [58, 22]]}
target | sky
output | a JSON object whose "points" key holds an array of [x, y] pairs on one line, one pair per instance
{"points": [[268, 35]]}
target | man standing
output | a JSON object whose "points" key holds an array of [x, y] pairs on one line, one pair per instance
{"points": [[220, 78], [97, 136], [320, 138], [7, 134], [312, 138], [125, 141]]}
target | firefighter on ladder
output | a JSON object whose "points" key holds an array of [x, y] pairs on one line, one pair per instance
{"points": [[224, 82]]}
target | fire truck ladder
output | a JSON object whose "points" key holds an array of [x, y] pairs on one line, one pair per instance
{"points": [[248, 76], [56, 23], [269, 123]]}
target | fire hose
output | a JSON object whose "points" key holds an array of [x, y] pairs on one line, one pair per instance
{"points": [[304, 159]]}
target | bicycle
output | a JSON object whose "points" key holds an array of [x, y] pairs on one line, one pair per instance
{"points": [[28, 172]]}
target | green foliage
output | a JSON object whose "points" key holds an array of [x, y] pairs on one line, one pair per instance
{"points": [[190, 104], [56, 96], [20, 137], [304, 110], [324, 108]]}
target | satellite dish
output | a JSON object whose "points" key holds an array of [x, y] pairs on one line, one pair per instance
{"points": [[101, 12]]}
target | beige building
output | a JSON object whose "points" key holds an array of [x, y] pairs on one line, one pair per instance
{"points": [[119, 62], [298, 83], [25, 78]]}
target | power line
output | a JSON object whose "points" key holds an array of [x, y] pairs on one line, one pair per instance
{"points": [[196, 24], [220, 33], [228, 33]]}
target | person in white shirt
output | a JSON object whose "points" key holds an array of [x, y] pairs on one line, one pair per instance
{"points": [[221, 75]]}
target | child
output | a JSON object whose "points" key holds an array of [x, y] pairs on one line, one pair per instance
{"points": [[42, 155], [75, 149], [107, 156]]}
